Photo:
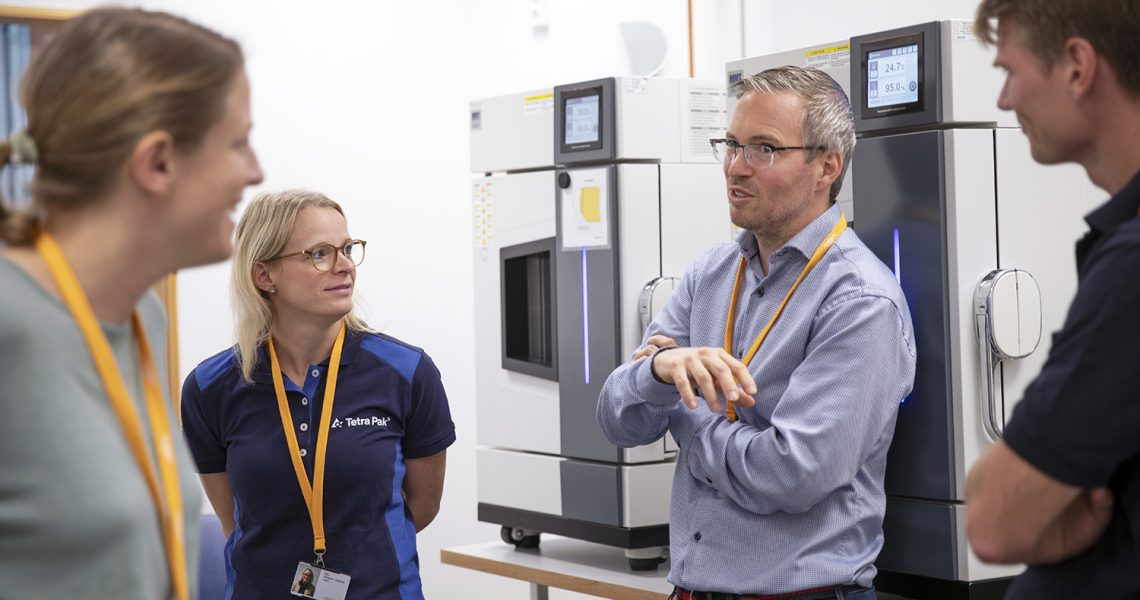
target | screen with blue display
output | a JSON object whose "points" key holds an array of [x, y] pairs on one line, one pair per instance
{"points": [[582, 117], [892, 76]]}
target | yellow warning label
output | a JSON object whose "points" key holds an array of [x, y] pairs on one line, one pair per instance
{"points": [[589, 205], [828, 50], [540, 103]]}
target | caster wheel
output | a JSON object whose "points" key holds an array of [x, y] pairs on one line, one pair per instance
{"points": [[518, 537], [646, 559], [644, 564]]}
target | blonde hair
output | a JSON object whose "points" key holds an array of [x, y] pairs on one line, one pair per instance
{"points": [[108, 78], [262, 233]]}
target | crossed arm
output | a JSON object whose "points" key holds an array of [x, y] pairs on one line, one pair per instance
{"points": [[1017, 514], [836, 408], [1078, 420]]}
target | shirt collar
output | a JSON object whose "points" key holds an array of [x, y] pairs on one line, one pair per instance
{"points": [[1121, 207], [348, 354], [805, 242]]}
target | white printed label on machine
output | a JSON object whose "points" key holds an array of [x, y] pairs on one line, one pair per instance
{"points": [[703, 109], [538, 104], [585, 210], [483, 212]]}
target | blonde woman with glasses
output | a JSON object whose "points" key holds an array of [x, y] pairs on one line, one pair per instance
{"points": [[321, 443]]}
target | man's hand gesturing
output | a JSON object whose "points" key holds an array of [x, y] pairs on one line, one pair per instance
{"points": [[711, 370]]}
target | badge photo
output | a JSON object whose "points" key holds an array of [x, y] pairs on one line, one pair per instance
{"points": [[319, 583], [305, 580]]}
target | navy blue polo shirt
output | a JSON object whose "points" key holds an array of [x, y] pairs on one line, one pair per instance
{"points": [[1079, 421], [390, 405]]}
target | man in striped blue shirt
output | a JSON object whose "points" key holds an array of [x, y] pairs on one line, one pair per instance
{"points": [[778, 366]]}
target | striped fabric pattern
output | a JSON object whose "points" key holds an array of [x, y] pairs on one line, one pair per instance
{"points": [[791, 496]]}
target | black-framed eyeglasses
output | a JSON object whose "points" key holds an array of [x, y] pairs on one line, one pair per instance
{"points": [[324, 256], [758, 156]]}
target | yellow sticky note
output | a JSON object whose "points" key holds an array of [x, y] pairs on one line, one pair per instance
{"points": [[589, 204]]}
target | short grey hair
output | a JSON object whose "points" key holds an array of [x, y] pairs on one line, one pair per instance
{"points": [[828, 119]]}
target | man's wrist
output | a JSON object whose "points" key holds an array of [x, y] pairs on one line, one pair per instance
{"points": [[653, 363], [650, 387]]}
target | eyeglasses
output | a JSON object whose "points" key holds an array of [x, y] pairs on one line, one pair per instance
{"points": [[758, 156], [323, 256]]}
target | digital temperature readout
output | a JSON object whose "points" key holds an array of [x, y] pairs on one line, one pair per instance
{"points": [[582, 119], [892, 76]]}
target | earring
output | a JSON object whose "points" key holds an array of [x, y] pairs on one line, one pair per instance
{"points": [[273, 290]]}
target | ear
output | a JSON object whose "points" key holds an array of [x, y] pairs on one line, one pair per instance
{"points": [[152, 163], [1079, 63], [262, 278], [830, 166]]}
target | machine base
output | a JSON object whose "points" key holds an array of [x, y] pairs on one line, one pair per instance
{"points": [[610, 535], [929, 588]]}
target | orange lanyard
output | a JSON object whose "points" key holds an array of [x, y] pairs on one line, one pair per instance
{"points": [[314, 494], [824, 246], [168, 501]]}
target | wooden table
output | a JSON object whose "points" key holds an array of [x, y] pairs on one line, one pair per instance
{"points": [[564, 563], [570, 564]]}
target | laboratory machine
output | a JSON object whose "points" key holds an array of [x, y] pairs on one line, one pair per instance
{"points": [[589, 200]]}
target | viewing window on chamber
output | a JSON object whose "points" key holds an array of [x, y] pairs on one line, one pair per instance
{"points": [[530, 342]]}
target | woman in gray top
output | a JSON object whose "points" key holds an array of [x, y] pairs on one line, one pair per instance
{"points": [[138, 127]]}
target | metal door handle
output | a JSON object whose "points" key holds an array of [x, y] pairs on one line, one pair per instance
{"points": [[647, 302], [1007, 321]]}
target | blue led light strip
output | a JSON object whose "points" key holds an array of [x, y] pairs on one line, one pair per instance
{"points": [[898, 270], [898, 278], [585, 320]]}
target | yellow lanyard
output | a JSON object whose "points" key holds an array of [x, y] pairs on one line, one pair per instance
{"points": [[168, 502], [824, 246], [314, 494]]}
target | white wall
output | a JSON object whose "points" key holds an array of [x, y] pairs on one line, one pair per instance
{"points": [[367, 102], [777, 25]]}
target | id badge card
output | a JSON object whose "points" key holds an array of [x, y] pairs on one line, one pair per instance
{"points": [[319, 583]]}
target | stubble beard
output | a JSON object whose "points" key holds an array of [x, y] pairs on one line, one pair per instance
{"points": [[746, 217], [769, 228]]}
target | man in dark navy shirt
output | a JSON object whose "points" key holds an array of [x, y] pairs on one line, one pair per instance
{"points": [[1062, 491]]}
